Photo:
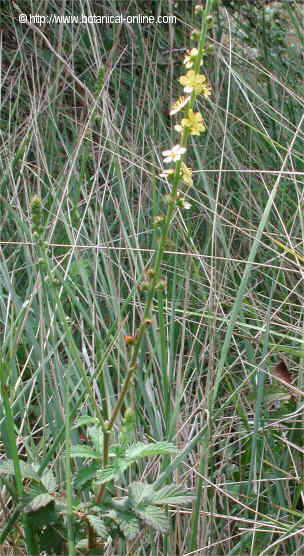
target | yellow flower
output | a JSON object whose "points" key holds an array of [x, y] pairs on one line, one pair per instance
{"points": [[173, 154], [190, 58], [178, 105], [167, 173], [186, 174], [193, 82], [206, 92], [194, 122]]}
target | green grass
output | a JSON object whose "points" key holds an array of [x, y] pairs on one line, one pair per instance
{"points": [[84, 120]]}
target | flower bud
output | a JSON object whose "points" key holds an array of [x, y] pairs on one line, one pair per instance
{"points": [[130, 340], [129, 415], [195, 35], [198, 10], [158, 220]]}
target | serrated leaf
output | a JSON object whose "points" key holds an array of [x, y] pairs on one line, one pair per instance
{"points": [[38, 502], [112, 514], [141, 450], [34, 489], [49, 481], [98, 525], [7, 467], [84, 421], [121, 504], [171, 494], [105, 475], [154, 517], [140, 493], [85, 474], [27, 471], [129, 524], [96, 436], [44, 516], [112, 471], [79, 451]]}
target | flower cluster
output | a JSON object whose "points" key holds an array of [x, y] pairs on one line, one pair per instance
{"points": [[194, 83]]}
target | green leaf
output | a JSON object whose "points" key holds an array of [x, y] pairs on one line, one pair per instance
{"points": [[98, 525], [154, 517], [105, 475], [51, 538], [38, 502], [141, 450], [171, 494], [79, 451], [121, 505], [112, 471], [129, 524], [85, 474], [49, 481], [140, 493], [41, 512], [27, 471], [84, 421], [7, 467], [126, 521], [96, 435]]}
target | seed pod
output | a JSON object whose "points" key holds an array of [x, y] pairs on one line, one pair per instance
{"points": [[130, 340]]}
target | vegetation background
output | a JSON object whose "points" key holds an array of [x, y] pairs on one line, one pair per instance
{"points": [[84, 119]]}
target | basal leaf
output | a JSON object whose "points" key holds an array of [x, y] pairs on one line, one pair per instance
{"points": [[129, 524], [27, 471], [49, 481], [141, 450], [126, 520], [80, 451], [96, 436], [98, 525], [140, 493], [85, 474], [84, 421], [154, 517], [171, 494], [112, 471], [105, 475], [38, 502]]}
